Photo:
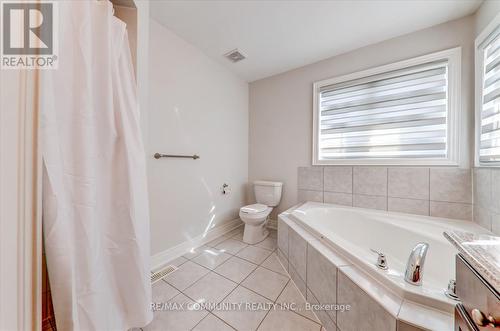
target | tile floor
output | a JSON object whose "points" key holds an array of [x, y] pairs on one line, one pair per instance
{"points": [[227, 275]]}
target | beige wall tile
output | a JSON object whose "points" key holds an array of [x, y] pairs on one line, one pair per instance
{"points": [[460, 211], [344, 199], [482, 187], [375, 317], [410, 206], [338, 179], [370, 180], [322, 278], [410, 183], [306, 195], [324, 317], [310, 178], [495, 223], [283, 237], [450, 185], [297, 252], [370, 201], [495, 190], [482, 216]]}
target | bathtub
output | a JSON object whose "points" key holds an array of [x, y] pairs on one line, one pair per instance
{"points": [[353, 232]]}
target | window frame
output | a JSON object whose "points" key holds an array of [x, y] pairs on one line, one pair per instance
{"points": [[454, 112], [478, 90]]}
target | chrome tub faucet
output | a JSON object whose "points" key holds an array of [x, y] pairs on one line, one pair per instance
{"points": [[415, 265]]}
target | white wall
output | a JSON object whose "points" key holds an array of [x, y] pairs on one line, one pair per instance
{"points": [[195, 106], [488, 10], [281, 106]]}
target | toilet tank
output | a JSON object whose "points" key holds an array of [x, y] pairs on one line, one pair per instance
{"points": [[268, 193]]}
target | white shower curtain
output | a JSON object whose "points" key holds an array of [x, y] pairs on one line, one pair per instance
{"points": [[95, 204]]}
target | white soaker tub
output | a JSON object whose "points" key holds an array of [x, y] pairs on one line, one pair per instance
{"points": [[353, 232]]}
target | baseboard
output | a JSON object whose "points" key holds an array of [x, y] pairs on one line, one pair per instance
{"points": [[160, 259]]}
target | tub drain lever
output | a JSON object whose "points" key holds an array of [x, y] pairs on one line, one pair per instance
{"points": [[381, 260]]}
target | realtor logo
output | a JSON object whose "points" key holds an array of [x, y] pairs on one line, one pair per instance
{"points": [[28, 37]]}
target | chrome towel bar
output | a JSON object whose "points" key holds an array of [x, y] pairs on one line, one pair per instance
{"points": [[194, 157]]}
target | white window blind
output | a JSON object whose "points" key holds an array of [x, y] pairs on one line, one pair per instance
{"points": [[399, 114], [489, 135]]}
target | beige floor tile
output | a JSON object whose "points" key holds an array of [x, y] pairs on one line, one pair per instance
{"points": [[212, 323], [231, 246], [187, 274], [287, 320], [254, 254], [274, 264], [291, 295], [273, 233], [162, 292], [234, 232], [266, 282], [211, 258], [217, 241], [236, 269], [249, 314], [194, 252], [238, 236], [178, 261], [210, 289], [268, 243], [184, 318]]}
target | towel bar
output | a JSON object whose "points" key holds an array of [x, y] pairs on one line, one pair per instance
{"points": [[194, 157]]}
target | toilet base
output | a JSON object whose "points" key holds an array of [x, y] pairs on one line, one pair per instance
{"points": [[253, 234]]}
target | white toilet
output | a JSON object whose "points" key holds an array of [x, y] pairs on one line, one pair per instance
{"points": [[268, 195]]}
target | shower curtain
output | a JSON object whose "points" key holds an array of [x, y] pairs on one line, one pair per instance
{"points": [[95, 204]]}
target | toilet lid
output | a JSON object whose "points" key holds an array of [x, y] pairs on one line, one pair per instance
{"points": [[255, 208]]}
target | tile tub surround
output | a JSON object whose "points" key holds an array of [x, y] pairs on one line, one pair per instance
{"points": [[486, 198], [332, 279], [251, 273], [441, 192]]}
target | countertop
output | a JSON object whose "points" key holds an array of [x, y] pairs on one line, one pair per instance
{"points": [[481, 251]]}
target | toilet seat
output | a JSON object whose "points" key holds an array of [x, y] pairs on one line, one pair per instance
{"points": [[255, 211]]}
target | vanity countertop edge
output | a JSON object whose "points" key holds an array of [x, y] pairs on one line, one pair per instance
{"points": [[481, 251]]}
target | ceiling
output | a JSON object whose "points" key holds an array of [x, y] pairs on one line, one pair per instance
{"points": [[277, 36]]}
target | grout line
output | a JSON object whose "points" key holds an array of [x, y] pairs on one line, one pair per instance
{"points": [[240, 284], [387, 189], [322, 310], [241, 258], [210, 313], [237, 284], [429, 211], [267, 313]]}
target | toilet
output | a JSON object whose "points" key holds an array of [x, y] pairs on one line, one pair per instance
{"points": [[255, 217]]}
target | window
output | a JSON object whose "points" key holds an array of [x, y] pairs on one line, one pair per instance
{"points": [[403, 113], [488, 96]]}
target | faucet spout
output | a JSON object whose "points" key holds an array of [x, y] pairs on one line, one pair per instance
{"points": [[415, 266]]}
